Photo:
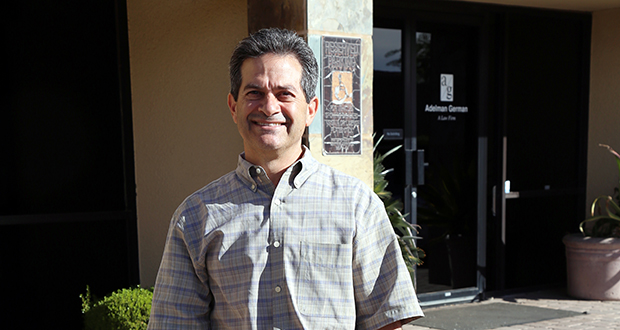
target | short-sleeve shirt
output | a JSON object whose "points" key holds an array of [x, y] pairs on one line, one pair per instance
{"points": [[317, 251]]}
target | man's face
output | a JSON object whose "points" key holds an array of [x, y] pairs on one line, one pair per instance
{"points": [[271, 112]]}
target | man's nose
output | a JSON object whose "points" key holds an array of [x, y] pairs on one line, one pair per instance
{"points": [[270, 105]]}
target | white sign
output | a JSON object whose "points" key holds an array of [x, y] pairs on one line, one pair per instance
{"points": [[447, 87]]}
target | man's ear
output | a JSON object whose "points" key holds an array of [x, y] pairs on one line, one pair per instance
{"points": [[232, 105], [313, 107]]}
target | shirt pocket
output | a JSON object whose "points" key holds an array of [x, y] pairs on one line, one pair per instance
{"points": [[325, 281]]}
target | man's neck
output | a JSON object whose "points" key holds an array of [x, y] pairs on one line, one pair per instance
{"points": [[275, 164]]}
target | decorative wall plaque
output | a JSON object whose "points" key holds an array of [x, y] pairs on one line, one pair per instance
{"points": [[342, 97]]}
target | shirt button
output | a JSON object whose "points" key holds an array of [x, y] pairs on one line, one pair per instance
{"points": [[278, 289], [257, 170], [253, 186], [277, 201], [276, 244]]}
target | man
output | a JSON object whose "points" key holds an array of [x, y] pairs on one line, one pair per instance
{"points": [[282, 242]]}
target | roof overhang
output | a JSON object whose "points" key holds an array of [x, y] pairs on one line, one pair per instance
{"points": [[574, 5]]}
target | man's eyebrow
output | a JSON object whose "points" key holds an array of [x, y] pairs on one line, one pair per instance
{"points": [[279, 87], [251, 86], [287, 87]]}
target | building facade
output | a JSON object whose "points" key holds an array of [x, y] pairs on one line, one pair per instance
{"points": [[118, 112]]}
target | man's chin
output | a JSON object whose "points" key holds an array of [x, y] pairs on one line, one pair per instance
{"points": [[273, 146], [267, 144]]}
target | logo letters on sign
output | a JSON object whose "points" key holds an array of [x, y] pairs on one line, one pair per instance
{"points": [[447, 87]]}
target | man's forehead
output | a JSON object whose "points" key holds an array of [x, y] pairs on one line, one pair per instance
{"points": [[273, 56], [253, 62]]}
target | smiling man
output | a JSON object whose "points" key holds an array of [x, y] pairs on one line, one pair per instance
{"points": [[283, 241], [271, 111]]}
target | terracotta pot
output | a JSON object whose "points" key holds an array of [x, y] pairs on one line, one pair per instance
{"points": [[593, 267]]}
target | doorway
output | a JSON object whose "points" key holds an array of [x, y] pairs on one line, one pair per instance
{"points": [[427, 98], [481, 96], [539, 157]]}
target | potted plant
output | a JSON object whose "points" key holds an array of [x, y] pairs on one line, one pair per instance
{"points": [[593, 257]]}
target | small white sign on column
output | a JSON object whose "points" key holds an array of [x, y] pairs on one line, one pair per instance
{"points": [[447, 87]]}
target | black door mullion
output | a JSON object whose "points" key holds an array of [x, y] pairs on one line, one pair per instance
{"points": [[409, 61]]}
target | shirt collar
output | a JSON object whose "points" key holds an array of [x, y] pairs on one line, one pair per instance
{"points": [[296, 175]]}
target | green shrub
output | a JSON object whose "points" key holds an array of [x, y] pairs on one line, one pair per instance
{"points": [[126, 309], [412, 254]]}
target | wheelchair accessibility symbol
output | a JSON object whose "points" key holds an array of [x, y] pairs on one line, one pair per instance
{"points": [[342, 87]]}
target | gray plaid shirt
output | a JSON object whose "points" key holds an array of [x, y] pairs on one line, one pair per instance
{"points": [[315, 252]]}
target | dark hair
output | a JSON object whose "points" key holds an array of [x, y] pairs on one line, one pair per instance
{"points": [[279, 42]]}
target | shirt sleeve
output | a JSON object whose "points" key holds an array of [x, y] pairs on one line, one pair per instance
{"points": [[384, 292], [182, 298]]}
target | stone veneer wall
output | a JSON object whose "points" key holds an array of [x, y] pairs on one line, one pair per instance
{"points": [[353, 19]]}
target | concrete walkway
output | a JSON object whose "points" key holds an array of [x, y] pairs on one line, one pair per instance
{"points": [[598, 315]]}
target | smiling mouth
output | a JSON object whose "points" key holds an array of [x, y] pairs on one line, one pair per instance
{"points": [[269, 124]]}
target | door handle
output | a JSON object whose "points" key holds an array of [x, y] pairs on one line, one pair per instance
{"points": [[507, 195], [512, 195]]}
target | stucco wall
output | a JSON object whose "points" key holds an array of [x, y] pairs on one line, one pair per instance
{"points": [[604, 122], [183, 133]]}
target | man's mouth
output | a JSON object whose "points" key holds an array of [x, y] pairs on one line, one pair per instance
{"points": [[269, 124]]}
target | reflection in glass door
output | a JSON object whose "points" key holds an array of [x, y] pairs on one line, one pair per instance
{"points": [[426, 89]]}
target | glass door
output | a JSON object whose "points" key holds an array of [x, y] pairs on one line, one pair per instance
{"points": [[447, 116], [426, 98], [542, 142]]}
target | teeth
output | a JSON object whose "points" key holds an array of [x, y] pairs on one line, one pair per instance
{"points": [[269, 124]]}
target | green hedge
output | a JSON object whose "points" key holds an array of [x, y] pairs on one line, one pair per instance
{"points": [[125, 309]]}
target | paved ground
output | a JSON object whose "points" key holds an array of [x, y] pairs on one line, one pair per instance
{"points": [[598, 315]]}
